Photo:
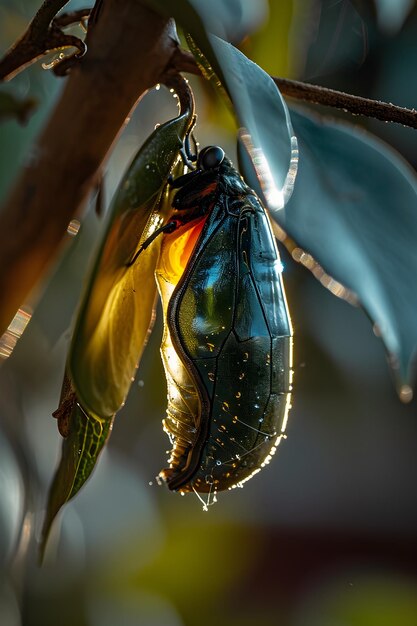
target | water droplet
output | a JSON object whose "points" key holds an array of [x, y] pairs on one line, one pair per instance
{"points": [[218, 462], [225, 407], [241, 376], [238, 395], [210, 346], [141, 383], [245, 357], [211, 376], [256, 406]]}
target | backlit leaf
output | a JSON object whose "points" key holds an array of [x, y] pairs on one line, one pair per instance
{"points": [[265, 126], [354, 208], [232, 20], [265, 132], [115, 313], [117, 308], [87, 435]]}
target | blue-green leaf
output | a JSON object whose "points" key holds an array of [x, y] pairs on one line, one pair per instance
{"points": [[232, 20], [265, 127], [265, 132], [354, 208]]}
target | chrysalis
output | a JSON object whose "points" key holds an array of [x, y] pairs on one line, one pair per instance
{"points": [[227, 344]]}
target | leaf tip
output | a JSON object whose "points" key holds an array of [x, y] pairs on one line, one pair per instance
{"points": [[49, 517]]}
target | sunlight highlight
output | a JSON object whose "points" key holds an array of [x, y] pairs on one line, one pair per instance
{"points": [[276, 198], [15, 330]]}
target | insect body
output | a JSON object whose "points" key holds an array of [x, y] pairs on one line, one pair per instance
{"points": [[227, 343]]}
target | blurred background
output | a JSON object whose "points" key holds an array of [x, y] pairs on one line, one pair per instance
{"points": [[326, 535]]}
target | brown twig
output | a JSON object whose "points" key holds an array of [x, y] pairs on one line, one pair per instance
{"points": [[384, 111], [42, 36], [173, 80], [45, 15], [129, 49], [61, 67], [72, 17]]}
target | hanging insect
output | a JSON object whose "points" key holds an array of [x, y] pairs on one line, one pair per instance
{"points": [[227, 343]]}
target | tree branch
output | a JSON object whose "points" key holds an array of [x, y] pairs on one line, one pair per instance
{"points": [[72, 17], [384, 111], [43, 35], [128, 50]]}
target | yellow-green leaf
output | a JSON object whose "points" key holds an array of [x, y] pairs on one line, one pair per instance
{"points": [[87, 435], [116, 311], [117, 307]]}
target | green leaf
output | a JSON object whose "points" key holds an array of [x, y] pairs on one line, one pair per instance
{"points": [[87, 435], [230, 20], [117, 308], [354, 208], [265, 125], [342, 31], [265, 132], [116, 311]]}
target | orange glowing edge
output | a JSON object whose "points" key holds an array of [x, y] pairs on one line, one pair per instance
{"points": [[177, 249]]}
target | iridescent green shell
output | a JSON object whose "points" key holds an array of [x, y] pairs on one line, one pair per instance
{"points": [[227, 346]]}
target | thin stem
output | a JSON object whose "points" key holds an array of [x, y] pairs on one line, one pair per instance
{"points": [[72, 17], [44, 16], [384, 111], [129, 49], [174, 80], [42, 35]]}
